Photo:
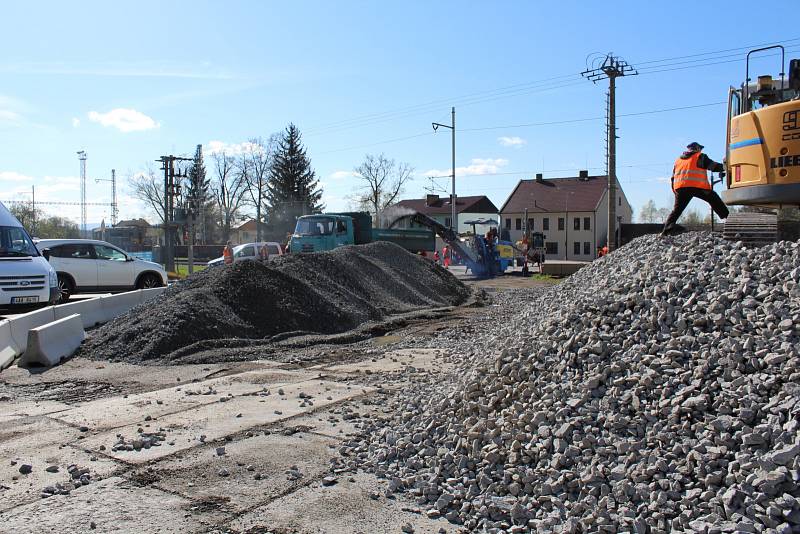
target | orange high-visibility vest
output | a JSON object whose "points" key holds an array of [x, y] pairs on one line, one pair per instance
{"points": [[227, 255], [688, 174]]}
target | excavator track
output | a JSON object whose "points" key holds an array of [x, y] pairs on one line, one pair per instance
{"points": [[752, 229]]}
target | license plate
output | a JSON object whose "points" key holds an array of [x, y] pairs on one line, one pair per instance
{"points": [[24, 300]]}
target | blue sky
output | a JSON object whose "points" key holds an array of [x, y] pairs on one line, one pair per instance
{"points": [[128, 82]]}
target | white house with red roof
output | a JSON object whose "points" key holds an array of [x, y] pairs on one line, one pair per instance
{"points": [[571, 212]]}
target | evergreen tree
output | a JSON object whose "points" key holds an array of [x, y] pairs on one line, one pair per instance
{"points": [[198, 192], [293, 189]]}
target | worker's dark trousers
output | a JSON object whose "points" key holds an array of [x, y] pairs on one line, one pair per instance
{"points": [[685, 194]]}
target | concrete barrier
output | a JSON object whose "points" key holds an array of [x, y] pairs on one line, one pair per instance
{"points": [[14, 332], [21, 324], [91, 312], [48, 344], [147, 294], [8, 349], [115, 305]]}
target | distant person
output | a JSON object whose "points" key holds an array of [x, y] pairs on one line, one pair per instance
{"points": [[263, 252], [446, 256], [436, 257], [690, 180], [227, 253]]}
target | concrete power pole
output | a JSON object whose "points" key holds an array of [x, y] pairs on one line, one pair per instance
{"points": [[171, 190], [82, 158], [453, 201], [611, 68]]}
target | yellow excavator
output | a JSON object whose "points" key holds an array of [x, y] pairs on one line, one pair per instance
{"points": [[763, 151]]}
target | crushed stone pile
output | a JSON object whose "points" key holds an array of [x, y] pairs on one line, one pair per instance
{"points": [[656, 390], [323, 293]]}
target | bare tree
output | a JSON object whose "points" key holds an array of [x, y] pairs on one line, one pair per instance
{"points": [[383, 181], [148, 186], [254, 169], [229, 191]]}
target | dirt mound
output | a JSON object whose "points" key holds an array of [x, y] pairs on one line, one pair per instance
{"points": [[324, 293]]}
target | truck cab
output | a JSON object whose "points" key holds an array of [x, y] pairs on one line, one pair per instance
{"points": [[315, 233]]}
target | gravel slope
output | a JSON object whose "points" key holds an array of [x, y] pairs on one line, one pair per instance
{"points": [[656, 390], [325, 293]]}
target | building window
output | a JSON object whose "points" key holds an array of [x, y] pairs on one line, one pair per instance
{"points": [[551, 247], [587, 223], [546, 224], [561, 223], [587, 248], [447, 222], [576, 248], [530, 224], [518, 224], [576, 223], [619, 201], [508, 224]]}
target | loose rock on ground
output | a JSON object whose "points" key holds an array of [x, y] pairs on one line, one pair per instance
{"points": [[656, 390]]}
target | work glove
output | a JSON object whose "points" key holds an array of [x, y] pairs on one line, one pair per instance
{"points": [[722, 174]]}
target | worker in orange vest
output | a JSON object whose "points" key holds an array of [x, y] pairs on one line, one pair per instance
{"points": [[227, 253], [690, 180]]}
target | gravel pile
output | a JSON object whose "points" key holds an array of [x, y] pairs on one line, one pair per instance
{"points": [[656, 390], [324, 293]]}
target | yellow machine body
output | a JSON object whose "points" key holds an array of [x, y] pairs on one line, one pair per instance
{"points": [[763, 143], [764, 150]]}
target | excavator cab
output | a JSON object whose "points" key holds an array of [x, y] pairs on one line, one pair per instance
{"points": [[763, 139]]}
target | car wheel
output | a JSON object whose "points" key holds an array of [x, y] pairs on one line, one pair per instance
{"points": [[148, 281], [65, 288]]}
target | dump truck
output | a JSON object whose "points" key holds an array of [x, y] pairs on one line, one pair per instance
{"points": [[327, 231], [762, 150]]}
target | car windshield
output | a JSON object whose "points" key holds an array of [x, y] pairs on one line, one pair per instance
{"points": [[15, 243], [314, 226]]}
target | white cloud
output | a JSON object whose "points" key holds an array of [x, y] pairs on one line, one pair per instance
{"points": [[11, 176], [124, 120], [477, 166], [516, 142], [76, 122], [231, 149], [11, 110], [341, 175]]}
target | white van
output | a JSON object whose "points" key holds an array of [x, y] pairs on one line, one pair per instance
{"points": [[26, 276]]}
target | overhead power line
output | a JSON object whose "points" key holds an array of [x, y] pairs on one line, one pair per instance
{"points": [[697, 60], [436, 103], [747, 47], [525, 125], [586, 119]]}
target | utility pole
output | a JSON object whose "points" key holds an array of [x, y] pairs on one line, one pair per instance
{"points": [[171, 190], [33, 208], [452, 126], [113, 181], [612, 68], [82, 158]]}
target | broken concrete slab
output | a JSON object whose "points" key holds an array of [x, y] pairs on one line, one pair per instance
{"points": [[255, 469], [19, 409], [344, 508], [41, 443], [190, 428], [111, 505], [116, 412], [399, 360]]}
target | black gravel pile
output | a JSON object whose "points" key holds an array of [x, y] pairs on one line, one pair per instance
{"points": [[324, 293]]}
